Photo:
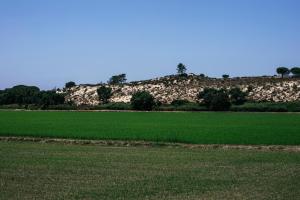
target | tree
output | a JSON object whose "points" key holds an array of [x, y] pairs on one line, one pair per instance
{"points": [[70, 84], [25, 95], [225, 76], [296, 71], [282, 71], [214, 99], [104, 94], [50, 97], [142, 100], [117, 79], [21, 94], [202, 75], [237, 96], [181, 69]]}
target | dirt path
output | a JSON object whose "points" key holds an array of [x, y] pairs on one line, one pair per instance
{"points": [[122, 143]]}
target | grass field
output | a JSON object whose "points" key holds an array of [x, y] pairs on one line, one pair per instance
{"points": [[56, 171], [187, 127]]}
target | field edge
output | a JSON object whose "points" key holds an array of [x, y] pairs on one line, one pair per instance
{"points": [[142, 143]]}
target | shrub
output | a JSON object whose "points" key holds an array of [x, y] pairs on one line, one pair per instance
{"points": [[104, 94], [250, 88], [261, 107], [179, 102], [214, 99], [62, 107], [142, 100], [70, 84], [114, 106], [237, 97]]}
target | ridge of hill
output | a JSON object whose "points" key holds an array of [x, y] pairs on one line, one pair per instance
{"points": [[168, 88]]}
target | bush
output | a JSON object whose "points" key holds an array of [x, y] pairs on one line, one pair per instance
{"points": [[61, 107], [237, 97], [216, 100], [104, 94], [261, 107], [70, 84], [142, 100], [114, 106], [179, 102], [12, 106]]}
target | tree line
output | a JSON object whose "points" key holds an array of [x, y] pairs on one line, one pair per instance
{"points": [[295, 71], [213, 99], [25, 95]]}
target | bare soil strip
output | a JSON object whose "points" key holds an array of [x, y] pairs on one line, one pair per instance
{"points": [[122, 143]]}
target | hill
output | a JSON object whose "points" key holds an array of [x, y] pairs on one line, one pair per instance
{"points": [[168, 88]]}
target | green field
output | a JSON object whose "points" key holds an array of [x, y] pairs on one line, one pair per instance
{"points": [[186, 127], [56, 171]]}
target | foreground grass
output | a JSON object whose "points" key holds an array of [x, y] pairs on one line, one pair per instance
{"points": [[55, 171], [187, 127]]}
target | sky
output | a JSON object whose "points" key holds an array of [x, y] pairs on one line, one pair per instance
{"points": [[50, 42]]}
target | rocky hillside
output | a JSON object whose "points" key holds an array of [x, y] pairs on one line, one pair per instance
{"points": [[168, 88]]}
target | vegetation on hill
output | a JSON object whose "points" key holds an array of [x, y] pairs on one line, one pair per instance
{"points": [[117, 79], [181, 69], [284, 71], [70, 84], [142, 100], [104, 94], [175, 92], [295, 71]]}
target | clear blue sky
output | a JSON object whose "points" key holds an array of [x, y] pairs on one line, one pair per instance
{"points": [[49, 42]]}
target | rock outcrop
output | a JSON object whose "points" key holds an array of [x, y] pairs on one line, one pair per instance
{"points": [[169, 88]]}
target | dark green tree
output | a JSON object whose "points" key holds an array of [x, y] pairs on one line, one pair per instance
{"points": [[225, 76], [181, 69], [104, 94], [296, 71], [70, 84], [237, 96], [22, 94], [47, 98], [282, 71], [142, 100], [117, 79], [214, 99]]}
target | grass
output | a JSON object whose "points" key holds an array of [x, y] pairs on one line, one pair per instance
{"points": [[56, 171], [203, 128], [187, 127]]}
